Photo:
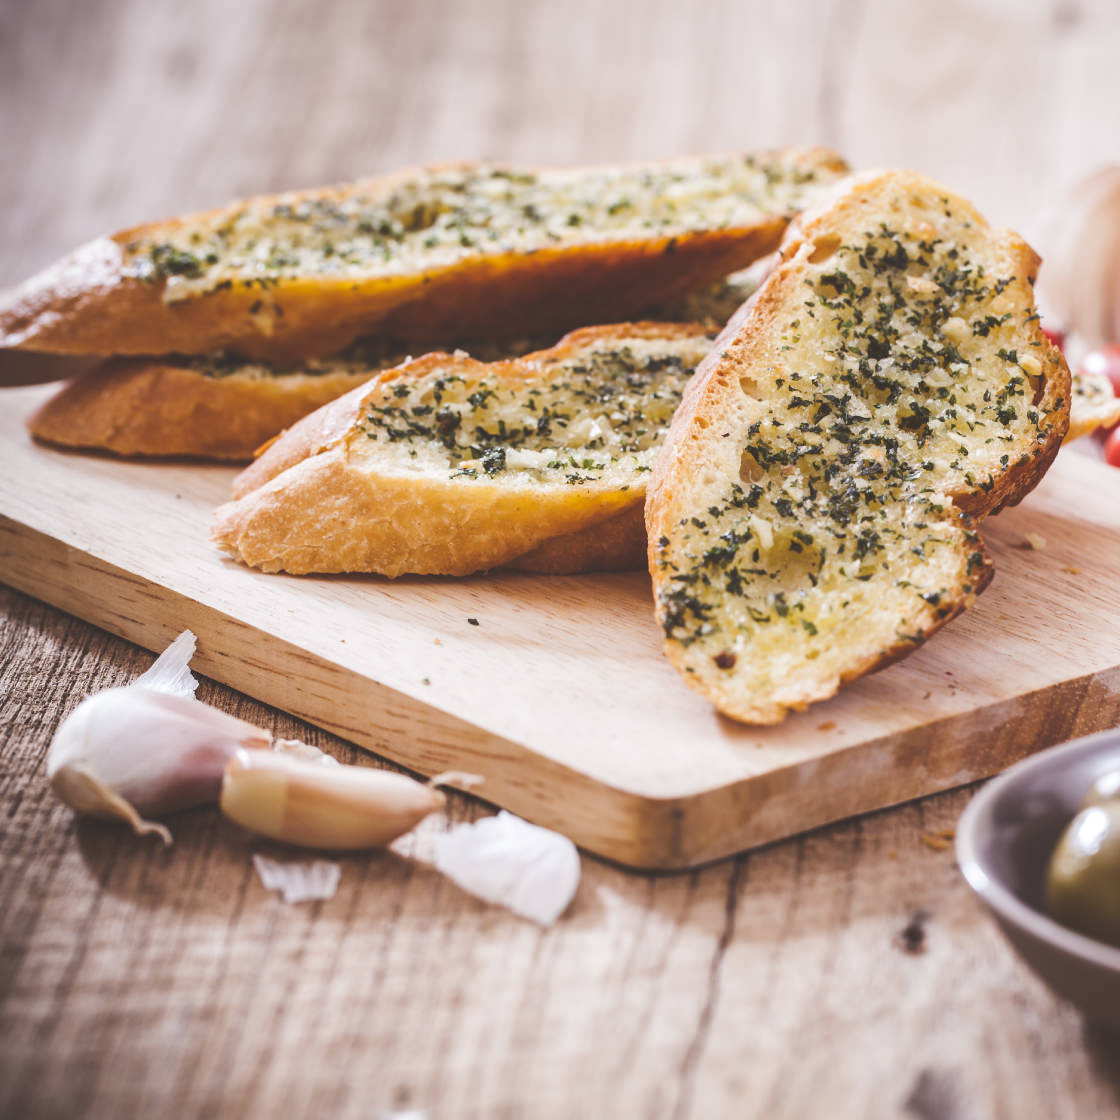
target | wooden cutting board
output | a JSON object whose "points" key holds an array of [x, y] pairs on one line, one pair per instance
{"points": [[559, 695]]}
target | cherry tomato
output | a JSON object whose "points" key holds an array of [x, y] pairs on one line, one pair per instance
{"points": [[1057, 337], [1105, 361], [1112, 448]]}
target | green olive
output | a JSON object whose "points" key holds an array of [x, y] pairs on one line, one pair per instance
{"points": [[1105, 788], [1083, 881]]}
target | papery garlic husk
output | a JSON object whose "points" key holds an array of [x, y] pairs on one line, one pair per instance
{"points": [[339, 808], [532, 871], [171, 671], [1079, 281], [299, 880], [133, 752]]}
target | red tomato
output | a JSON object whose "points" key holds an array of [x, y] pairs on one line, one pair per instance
{"points": [[1105, 361], [1057, 337], [1112, 448]]}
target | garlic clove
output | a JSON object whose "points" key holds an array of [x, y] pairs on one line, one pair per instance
{"points": [[130, 752], [314, 806]]}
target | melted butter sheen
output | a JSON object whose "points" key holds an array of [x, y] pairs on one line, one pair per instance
{"points": [[901, 386], [596, 417], [435, 218]]}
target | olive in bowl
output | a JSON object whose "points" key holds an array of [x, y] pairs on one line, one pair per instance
{"points": [[1006, 839], [1083, 879]]}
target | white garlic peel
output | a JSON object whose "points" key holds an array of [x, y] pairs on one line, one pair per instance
{"points": [[504, 859], [1079, 281], [300, 749], [170, 672], [299, 880], [340, 808]]}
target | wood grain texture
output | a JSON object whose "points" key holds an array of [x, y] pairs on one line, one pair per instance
{"points": [[558, 692], [135, 980]]}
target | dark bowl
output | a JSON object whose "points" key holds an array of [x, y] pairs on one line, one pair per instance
{"points": [[1004, 841]]}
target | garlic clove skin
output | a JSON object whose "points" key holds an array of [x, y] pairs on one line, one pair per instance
{"points": [[85, 794], [339, 808], [299, 880], [170, 672], [506, 860], [130, 752]]}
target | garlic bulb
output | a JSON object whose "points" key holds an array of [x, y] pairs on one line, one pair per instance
{"points": [[1079, 281], [146, 748]]}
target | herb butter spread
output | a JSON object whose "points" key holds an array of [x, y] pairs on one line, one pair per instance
{"points": [[432, 219], [596, 416], [901, 367]]}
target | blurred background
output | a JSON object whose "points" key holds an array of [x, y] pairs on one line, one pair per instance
{"points": [[119, 111]]}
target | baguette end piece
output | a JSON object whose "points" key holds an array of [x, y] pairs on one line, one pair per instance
{"points": [[50, 309]]}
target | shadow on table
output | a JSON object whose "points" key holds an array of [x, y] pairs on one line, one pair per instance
{"points": [[208, 869]]}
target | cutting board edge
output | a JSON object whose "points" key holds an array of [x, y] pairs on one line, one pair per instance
{"points": [[669, 831], [628, 827], [931, 758]]}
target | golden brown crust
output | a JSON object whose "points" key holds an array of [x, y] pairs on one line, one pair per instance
{"points": [[311, 434], [89, 304], [322, 515], [615, 545], [146, 407], [745, 359], [308, 505]]}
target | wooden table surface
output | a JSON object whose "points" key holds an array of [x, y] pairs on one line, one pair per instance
{"points": [[848, 973]]}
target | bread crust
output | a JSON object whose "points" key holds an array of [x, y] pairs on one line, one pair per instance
{"points": [[89, 303], [748, 349], [141, 407], [615, 545], [307, 505]]}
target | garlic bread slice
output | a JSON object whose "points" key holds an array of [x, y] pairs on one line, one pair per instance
{"points": [[461, 251], [222, 407], [813, 513], [1093, 404], [446, 465]]}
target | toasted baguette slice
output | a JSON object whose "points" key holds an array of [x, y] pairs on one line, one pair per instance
{"points": [[446, 465], [225, 408], [462, 251], [154, 407], [812, 514], [1093, 405]]}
